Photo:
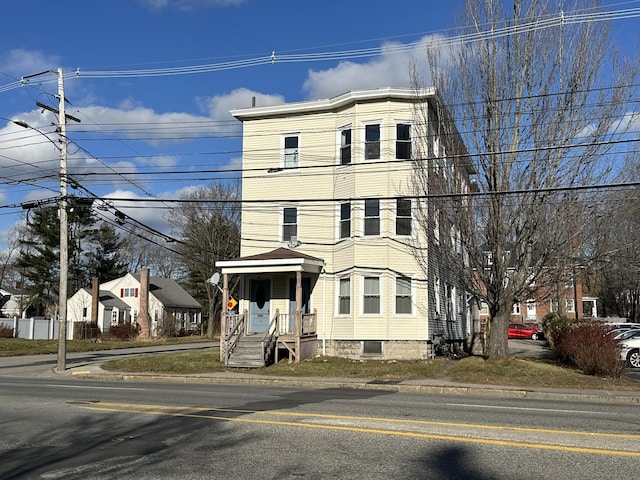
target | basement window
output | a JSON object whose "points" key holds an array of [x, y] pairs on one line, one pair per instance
{"points": [[372, 347]]}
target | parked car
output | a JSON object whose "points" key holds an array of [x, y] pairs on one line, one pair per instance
{"points": [[630, 350], [622, 326], [624, 334], [523, 330]]}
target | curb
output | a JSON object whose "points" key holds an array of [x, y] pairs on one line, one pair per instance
{"points": [[427, 387]]}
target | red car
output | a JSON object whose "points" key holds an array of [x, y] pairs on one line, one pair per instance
{"points": [[522, 330]]}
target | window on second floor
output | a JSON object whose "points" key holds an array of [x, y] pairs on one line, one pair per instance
{"points": [[289, 223], [403, 141], [345, 220], [291, 151], [571, 305], [403, 216], [372, 217], [372, 142], [345, 146]]}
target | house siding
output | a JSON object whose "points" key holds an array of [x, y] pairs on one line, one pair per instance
{"points": [[317, 188]]}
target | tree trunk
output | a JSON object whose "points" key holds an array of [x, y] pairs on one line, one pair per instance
{"points": [[497, 343]]}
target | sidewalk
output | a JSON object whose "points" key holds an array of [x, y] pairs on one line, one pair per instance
{"points": [[424, 386]]}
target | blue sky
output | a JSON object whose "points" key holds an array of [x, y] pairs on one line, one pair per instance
{"points": [[148, 123]]}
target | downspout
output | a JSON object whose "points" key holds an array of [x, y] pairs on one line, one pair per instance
{"points": [[324, 313]]}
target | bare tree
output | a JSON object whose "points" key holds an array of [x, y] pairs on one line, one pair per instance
{"points": [[614, 275], [208, 223], [7, 256], [539, 104], [145, 250]]}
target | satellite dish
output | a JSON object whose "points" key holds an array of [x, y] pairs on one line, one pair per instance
{"points": [[215, 278]]}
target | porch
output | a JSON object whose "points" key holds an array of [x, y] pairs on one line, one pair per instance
{"points": [[241, 348], [276, 320]]}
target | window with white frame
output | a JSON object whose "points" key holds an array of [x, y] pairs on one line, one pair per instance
{"points": [[344, 296], [571, 305], [516, 309], [291, 153], [403, 295], [554, 305], [484, 309], [372, 142], [403, 216], [371, 295], [129, 292], [531, 308], [372, 216], [403, 141], [114, 317], [289, 223], [345, 220], [345, 146]]}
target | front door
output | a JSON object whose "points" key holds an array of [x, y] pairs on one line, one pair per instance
{"points": [[259, 306]]}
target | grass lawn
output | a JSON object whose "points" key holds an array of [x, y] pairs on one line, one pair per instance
{"points": [[507, 372], [511, 371], [10, 347]]}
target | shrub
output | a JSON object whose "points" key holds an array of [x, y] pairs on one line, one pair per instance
{"points": [[553, 324], [124, 331], [86, 331], [6, 332], [589, 348]]}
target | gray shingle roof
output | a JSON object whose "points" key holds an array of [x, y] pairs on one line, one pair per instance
{"points": [[170, 293]]}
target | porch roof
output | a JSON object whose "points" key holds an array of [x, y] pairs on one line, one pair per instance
{"points": [[278, 260]]}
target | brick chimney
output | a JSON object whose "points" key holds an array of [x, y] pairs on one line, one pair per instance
{"points": [[143, 313], [95, 298]]}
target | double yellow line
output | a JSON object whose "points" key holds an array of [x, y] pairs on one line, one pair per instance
{"points": [[239, 415]]}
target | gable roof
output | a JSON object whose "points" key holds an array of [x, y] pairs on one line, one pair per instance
{"points": [[170, 293], [108, 299], [281, 259]]}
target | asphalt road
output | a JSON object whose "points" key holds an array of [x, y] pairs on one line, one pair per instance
{"points": [[67, 428]]}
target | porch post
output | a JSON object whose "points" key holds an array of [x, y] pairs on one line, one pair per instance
{"points": [[223, 316], [298, 313]]}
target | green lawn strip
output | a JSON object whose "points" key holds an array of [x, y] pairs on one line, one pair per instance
{"points": [[342, 367], [531, 373], [10, 347], [190, 362]]}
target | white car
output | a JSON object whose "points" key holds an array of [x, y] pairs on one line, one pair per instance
{"points": [[630, 350]]}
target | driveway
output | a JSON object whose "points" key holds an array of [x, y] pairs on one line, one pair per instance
{"points": [[525, 348]]}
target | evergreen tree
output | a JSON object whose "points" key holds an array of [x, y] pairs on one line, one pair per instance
{"points": [[104, 260], [93, 252]]}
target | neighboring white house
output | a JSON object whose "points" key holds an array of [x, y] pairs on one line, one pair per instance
{"points": [[328, 214], [13, 303], [119, 301]]}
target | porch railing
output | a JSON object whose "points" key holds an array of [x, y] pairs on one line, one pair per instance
{"points": [[234, 326], [287, 327]]}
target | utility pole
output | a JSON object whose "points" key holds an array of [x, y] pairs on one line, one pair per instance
{"points": [[64, 231], [62, 213]]}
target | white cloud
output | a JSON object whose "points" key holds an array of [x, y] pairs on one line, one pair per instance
{"points": [[389, 69], [19, 62], [218, 106], [137, 122]]}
